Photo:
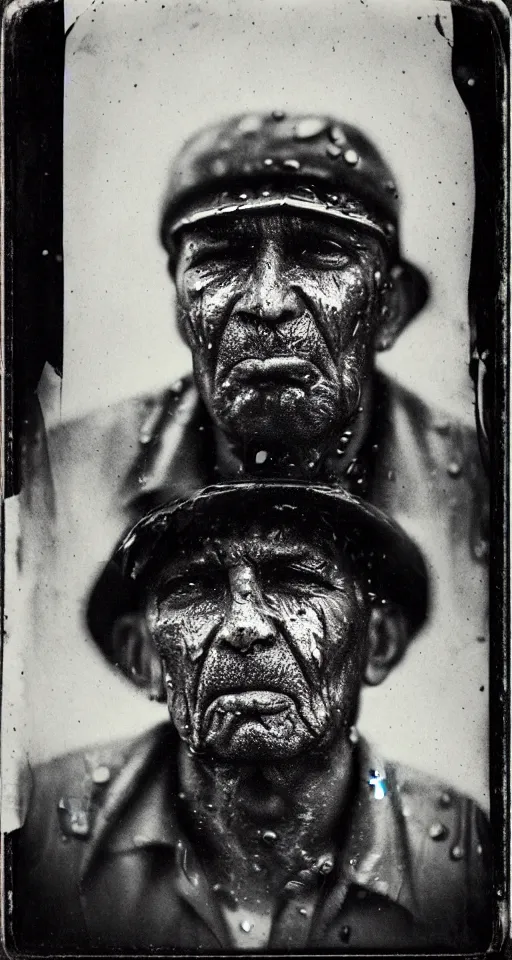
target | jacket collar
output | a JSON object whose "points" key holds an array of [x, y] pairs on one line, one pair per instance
{"points": [[140, 810], [176, 451]]}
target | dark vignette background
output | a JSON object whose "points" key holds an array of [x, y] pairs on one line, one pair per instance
{"points": [[33, 44]]}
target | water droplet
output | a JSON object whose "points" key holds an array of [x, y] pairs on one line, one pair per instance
{"points": [[445, 800], [333, 150], [44, 253], [249, 124], [242, 196], [219, 167], [261, 456], [269, 836], [378, 276], [265, 193], [479, 849], [293, 887], [309, 127], [292, 164], [303, 912], [391, 475], [336, 133], [317, 656], [389, 186], [457, 852], [345, 934], [353, 735], [351, 157], [325, 864], [101, 774], [268, 162], [437, 831], [442, 427], [210, 345], [278, 115], [471, 81], [454, 469], [481, 549], [246, 926]]}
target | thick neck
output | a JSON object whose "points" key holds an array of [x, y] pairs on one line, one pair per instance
{"points": [[259, 825], [237, 459]]}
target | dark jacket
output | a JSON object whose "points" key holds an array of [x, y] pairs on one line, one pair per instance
{"points": [[104, 864]]}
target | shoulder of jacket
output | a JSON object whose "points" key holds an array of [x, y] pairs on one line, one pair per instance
{"points": [[68, 791], [448, 839], [434, 803], [425, 414], [128, 414]]}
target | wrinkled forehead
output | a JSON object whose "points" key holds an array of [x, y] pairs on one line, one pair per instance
{"points": [[283, 225], [283, 533]]}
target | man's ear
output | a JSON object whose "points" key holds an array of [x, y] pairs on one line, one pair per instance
{"points": [[394, 309], [403, 294], [136, 656], [388, 634]]}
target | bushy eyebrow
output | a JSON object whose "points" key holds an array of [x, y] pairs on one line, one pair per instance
{"points": [[227, 227], [266, 556]]}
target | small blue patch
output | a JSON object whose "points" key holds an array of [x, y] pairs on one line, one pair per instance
{"points": [[378, 782]]}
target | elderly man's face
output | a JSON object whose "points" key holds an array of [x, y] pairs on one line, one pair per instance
{"points": [[263, 636], [280, 313]]}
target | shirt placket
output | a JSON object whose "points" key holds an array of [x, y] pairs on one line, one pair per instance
{"points": [[301, 907], [194, 888]]}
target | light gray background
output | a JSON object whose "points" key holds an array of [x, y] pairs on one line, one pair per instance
{"points": [[140, 77]]}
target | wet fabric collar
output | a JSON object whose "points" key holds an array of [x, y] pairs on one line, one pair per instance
{"points": [[140, 811]]}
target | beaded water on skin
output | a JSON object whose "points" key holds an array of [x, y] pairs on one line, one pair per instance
{"points": [[281, 314]]}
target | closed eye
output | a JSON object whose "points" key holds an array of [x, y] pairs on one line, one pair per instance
{"points": [[236, 249], [323, 251], [295, 576], [181, 591]]}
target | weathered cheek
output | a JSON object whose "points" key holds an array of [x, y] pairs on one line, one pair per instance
{"points": [[345, 646], [198, 628], [303, 625], [206, 302], [185, 634], [342, 298]]}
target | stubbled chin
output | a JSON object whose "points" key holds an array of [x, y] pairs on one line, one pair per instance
{"points": [[249, 736], [281, 413]]}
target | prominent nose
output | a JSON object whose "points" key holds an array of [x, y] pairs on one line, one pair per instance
{"points": [[269, 296], [246, 622]]}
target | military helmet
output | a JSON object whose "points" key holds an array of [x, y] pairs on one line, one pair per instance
{"points": [[311, 165]]}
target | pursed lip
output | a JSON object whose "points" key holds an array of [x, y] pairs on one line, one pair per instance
{"points": [[260, 701], [258, 684], [276, 369]]}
